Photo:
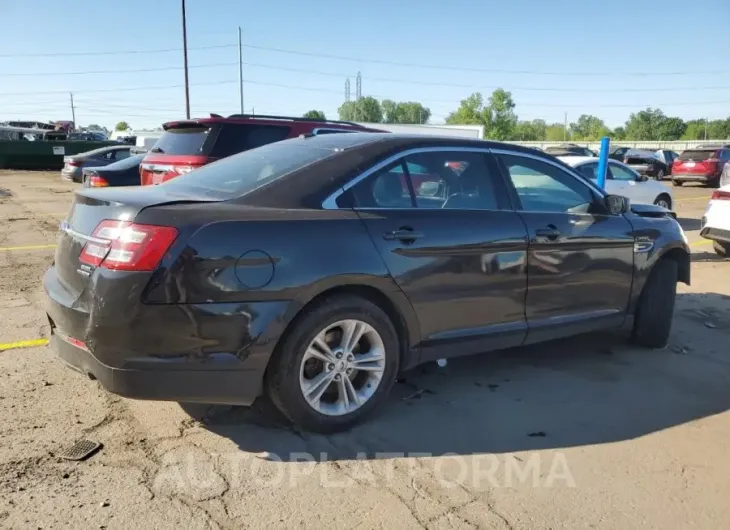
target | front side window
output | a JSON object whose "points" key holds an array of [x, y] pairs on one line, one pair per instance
{"points": [[543, 187], [622, 173], [433, 180]]}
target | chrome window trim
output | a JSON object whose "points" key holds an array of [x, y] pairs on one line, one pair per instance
{"points": [[579, 179], [316, 130], [330, 203]]}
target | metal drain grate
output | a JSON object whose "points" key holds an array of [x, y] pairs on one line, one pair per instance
{"points": [[80, 450]]}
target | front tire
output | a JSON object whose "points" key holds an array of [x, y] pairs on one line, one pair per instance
{"points": [[655, 310], [335, 366], [721, 248], [664, 201]]}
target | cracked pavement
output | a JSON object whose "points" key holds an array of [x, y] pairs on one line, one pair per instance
{"points": [[581, 433]]}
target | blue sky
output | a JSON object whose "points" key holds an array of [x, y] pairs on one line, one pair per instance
{"points": [[607, 59]]}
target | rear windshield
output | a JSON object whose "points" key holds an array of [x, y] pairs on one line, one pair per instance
{"points": [[238, 137], [240, 174], [182, 141], [637, 161], [697, 154]]}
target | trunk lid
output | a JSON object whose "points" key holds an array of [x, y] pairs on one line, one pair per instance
{"points": [[90, 207]]}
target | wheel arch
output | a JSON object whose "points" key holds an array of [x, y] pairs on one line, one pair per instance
{"points": [[683, 260], [392, 301]]}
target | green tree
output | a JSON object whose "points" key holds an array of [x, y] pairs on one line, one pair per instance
{"points": [[556, 132], [588, 127], [315, 115], [404, 112], [619, 133], [672, 129], [122, 126], [471, 111], [501, 119], [530, 131], [652, 124], [366, 109], [695, 130]]}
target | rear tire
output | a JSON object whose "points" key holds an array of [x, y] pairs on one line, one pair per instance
{"points": [[660, 174], [721, 248], [286, 370], [677, 182], [653, 320]]}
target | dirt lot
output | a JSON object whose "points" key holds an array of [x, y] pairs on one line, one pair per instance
{"points": [[584, 433]]}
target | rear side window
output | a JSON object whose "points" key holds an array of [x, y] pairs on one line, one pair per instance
{"points": [[237, 175], [236, 138], [697, 154], [182, 141]]}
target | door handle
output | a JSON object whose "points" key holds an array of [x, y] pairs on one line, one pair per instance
{"points": [[402, 234], [550, 233]]}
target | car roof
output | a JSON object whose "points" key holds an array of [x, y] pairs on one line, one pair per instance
{"points": [[102, 150], [575, 161], [266, 120]]}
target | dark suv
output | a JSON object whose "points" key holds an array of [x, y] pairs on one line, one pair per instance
{"points": [[189, 144]]}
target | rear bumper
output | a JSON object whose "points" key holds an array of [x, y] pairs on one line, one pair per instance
{"points": [[194, 386], [205, 353], [74, 174], [716, 234], [690, 177]]}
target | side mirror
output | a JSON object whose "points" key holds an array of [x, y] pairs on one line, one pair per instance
{"points": [[616, 204]]}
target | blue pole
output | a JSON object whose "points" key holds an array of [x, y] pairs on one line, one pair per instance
{"points": [[603, 162]]}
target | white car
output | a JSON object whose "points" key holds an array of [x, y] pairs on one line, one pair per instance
{"points": [[716, 221], [624, 181]]}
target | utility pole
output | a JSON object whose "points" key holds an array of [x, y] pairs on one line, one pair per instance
{"points": [[73, 110], [565, 128], [185, 59], [705, 128], [240, 67]]}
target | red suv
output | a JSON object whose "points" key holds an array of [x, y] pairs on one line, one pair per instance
{"points": [[187, 145], [703, 164]]}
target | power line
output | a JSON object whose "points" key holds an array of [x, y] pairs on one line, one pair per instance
{"points": [[464, 69], [117, 71], [381, 79], [120, 52]]}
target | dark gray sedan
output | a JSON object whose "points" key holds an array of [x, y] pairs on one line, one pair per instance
{"points": [[73, 165]]}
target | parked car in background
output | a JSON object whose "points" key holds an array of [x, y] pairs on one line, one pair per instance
{"points": [[703, 165], [569, 150], [187, 145], [74, 164], [122, 173], [668, 157], [625, 181], [618, 152], [646, 163], [87, 137], [303, 269], [715, 224]]}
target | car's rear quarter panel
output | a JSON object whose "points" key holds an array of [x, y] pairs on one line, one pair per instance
{"points": [[253, 260]]}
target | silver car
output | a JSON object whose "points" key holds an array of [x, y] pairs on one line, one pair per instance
{"points": [[73, 165]]}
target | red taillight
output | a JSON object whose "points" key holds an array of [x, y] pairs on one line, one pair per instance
{"points": [[712, 162], [95, 181], [126, 246], [74, 163], [720, 195]]}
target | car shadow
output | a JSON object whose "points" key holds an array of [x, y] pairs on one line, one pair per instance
{"points": [[689, 224], [591, 389], [704, 257]]}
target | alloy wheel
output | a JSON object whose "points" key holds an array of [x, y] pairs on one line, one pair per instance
{"points": [[342, 367]]}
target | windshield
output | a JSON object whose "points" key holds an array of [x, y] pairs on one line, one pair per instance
{"points": [[182, 141], [242, 173]]}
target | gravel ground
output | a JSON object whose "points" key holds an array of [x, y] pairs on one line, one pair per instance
{"points": [[581, 433]]}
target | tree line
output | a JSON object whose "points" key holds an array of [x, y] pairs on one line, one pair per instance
{"points": [[497, 115]]}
